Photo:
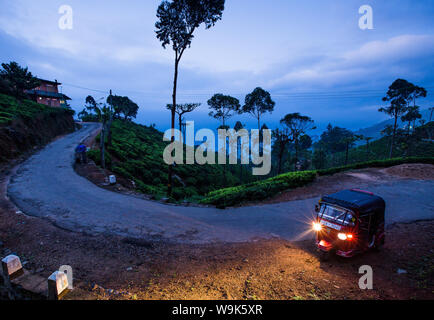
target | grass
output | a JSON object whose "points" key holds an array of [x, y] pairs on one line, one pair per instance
{"points": [[137, 154], [11, 108]]}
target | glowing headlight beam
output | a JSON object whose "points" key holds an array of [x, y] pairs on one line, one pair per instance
{"points": [[342, 236], [316, 226]]}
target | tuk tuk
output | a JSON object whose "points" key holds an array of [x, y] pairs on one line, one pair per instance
{"points": [[349, 222]]}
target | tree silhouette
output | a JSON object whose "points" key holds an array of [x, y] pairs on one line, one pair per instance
{"points": [[16, 80], [367, 139], [237, 127], [298, 125], [349, 142], [182, 109], [223, 107], [257, 103], [281, 137], [177, 21], [400, 94]]}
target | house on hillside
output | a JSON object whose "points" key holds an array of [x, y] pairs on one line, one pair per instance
{"points": [[48, 93]]}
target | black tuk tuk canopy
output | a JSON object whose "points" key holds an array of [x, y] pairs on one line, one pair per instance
{"points": [[357, 201]]}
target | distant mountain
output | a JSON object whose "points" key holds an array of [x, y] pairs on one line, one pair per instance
{"points": [[375, 130]]}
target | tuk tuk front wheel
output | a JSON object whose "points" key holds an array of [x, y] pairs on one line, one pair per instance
{"points": [[324, 256], [378, 245]]}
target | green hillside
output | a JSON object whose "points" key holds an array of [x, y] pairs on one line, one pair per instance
{"points": [[405, 146], [25, 125], [11, 109], [137, 154]]}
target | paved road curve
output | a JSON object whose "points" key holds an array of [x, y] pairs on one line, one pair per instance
{"points": [[46, 186]]}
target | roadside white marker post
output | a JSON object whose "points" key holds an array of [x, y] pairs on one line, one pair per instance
{"points": [[112, 179], [57, 285], [12, 267]]}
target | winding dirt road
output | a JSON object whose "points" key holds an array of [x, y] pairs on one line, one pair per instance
{"points": [[46, 186]]}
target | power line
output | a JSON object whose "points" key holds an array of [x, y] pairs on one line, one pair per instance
{"points": [[84, 88], [368, 93]]}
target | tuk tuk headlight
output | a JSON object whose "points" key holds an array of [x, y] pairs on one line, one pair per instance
{"points": [[316, 226], [342, 236]]}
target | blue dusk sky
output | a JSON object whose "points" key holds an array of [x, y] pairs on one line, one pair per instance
{"points": [[310, 55]]}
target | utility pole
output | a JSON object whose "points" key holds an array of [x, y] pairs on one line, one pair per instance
{"points": [[109, 134]]}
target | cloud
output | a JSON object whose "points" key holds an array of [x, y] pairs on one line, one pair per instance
{"points": [[373, 59], [394, 49]]}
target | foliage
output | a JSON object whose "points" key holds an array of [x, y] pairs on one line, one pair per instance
{"points": [[281, 138], [377, 163], [123, 106], [400, 94], [11, 108], [258, 190], [319, 159], [257, 103], [297, 125], [267, 188], [16, 79], [223, 107], [177, 21], [333, 139], [182, 109], [136, 154], [415, 144]]}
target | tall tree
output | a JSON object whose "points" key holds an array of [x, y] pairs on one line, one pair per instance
{"points": [[400, 94], [182, 109], [123, 106], [223, 107], [281, 139], [349, 142], [177, 21], [333, 140], [237, 127], [367, 139], [257, 103], [298, 126], [16, 80]]}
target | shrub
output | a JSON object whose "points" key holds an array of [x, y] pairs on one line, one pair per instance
{"points": [[267, 188], [258, 190], [95, 155], [377, 163]]}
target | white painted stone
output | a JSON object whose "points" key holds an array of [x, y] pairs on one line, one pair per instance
{"points": [[112, 179], [13, 264], [60, 279]]}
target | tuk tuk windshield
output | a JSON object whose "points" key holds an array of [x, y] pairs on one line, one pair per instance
{"points": [[344, 217]]}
